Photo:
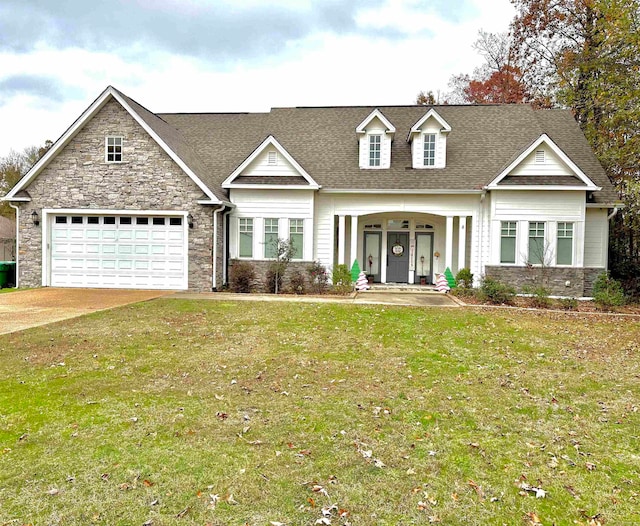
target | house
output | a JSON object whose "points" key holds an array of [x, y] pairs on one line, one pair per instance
{"points": [[133, 199]]}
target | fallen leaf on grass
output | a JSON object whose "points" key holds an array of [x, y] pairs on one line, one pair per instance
{"points": [[147, 483], [534, 520], [53, 491], [213, 501], [590, 466], [476, 488], [222, 415], [183, 512], [276, 523]]}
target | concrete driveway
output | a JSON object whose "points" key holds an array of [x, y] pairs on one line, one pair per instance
{"points": [[24, 309]]}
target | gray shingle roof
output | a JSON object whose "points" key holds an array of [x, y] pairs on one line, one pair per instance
{"points": [[483, 141]]}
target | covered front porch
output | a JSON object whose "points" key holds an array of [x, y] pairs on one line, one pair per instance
{"points": [[403, 247]]}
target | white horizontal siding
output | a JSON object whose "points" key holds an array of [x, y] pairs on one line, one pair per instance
{"points": [[261, 168], [596, 238], [553, 165], [538, 205]]}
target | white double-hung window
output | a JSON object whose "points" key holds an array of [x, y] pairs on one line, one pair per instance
{"points": [[375, 147], [296, 237], [245, 234], [271, 238], [508, 242], [564, 251], [429, 149], [537, 247]]}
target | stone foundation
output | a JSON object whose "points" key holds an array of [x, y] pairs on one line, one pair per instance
{"points": [[559, 281]]}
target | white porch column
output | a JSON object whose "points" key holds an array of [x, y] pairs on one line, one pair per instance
{"points": [[354, 240], [462, 242], [341, 241], [448, 247]]}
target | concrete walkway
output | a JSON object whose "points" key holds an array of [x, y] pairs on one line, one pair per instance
{"points": [[411, 299], [24, 309]]}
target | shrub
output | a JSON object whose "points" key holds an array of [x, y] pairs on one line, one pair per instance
{"points": [[569, 303], [540, 298], [342, 279], [318, 278], [242, 275], [607, 292], [464, 278], [297, 282], [463, 292], [496, 292], [275, 274]]}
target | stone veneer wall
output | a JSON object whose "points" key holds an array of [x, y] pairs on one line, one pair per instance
{"points": [[148, 179], [261, 267], [553, 279]]}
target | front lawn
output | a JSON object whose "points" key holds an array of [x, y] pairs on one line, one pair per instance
{"points": [[222, 413]]}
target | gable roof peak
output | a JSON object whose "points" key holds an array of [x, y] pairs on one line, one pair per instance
{"points": [[376, 114], [432, 113]]}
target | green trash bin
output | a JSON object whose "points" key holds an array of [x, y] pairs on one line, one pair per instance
{"points": [[7, 273]]}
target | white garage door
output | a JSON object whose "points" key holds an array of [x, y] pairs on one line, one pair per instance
{"points": [[118, 251]]}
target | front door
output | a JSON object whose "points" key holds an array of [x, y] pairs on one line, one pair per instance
{"points": [[397, 257]]}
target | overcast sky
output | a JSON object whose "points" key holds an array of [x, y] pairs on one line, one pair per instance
{"points": [[227, 55]]}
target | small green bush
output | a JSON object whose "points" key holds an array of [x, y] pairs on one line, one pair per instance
{"points": [[297, 282], [342, 283], [607, 292], [318, 277], [496, 292], [242, 275], [569, 303], [464, 278]]}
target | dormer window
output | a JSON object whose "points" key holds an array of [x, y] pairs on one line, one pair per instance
{"points": [[428, 138], [375, 136], [429, 149], [113, 150], [375, 144]]}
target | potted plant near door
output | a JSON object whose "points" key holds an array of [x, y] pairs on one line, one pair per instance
{"points": [[370, 275], [423, 278]]}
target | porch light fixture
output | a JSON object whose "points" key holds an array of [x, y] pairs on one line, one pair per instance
{"points": [[190, 220], [35, 218]]}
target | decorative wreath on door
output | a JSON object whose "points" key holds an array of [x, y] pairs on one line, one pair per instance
{"points": [[397, 249]]}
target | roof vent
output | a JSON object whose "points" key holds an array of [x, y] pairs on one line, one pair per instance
{"points": [[272, 157], [540, 158]]}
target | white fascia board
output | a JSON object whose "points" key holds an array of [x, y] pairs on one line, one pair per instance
{"points": [[269, 141], [544, 138], [391, 129], [398, 191], [605, 205], [208, 202], [15, 199], [166, 148], [546, 187], [272, 187], [446, 128]]}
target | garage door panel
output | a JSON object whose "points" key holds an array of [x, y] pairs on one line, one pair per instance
{"points": [[118, 251]]}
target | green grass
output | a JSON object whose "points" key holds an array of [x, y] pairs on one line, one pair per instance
{"points": [[142, 412]]}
